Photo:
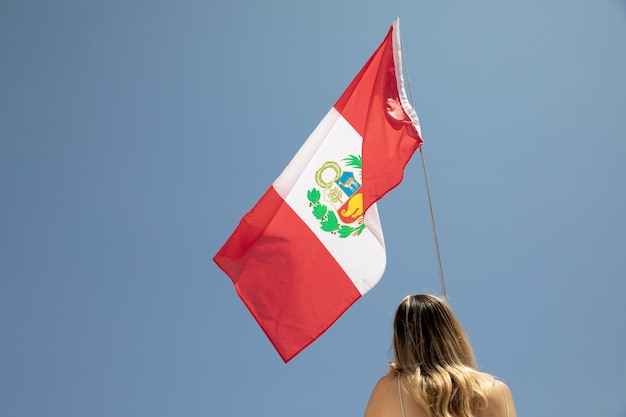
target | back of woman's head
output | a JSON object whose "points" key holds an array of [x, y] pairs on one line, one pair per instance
{"points": [[431, 347], [428, 335]]}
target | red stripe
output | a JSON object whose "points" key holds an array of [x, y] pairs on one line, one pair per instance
{"points": [[290, 283], [389, 137]]}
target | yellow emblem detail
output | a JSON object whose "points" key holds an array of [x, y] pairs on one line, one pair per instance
{"points": [[354, 207], [320, 172]]}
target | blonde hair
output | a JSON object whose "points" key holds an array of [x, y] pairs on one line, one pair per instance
{"points": [[433, 350]]}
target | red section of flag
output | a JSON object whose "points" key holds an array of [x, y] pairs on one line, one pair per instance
{"points": [[371, 104], [290, 283]]}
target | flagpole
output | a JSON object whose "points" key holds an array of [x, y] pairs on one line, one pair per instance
{"points": [[432, 221], [430, 206]]}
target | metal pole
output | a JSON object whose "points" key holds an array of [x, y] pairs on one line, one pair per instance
{"points": [[430, 206]]}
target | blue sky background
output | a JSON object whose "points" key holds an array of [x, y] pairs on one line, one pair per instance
{"points": [[135, 134]]}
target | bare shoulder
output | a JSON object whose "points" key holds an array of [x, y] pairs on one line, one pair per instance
{"points": [[499, 399], [383, 397]]}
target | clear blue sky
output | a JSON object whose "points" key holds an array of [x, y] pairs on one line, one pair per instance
{"points": [[135, 134]]}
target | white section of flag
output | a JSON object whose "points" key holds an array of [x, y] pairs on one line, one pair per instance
{"points": [[333, 140]]}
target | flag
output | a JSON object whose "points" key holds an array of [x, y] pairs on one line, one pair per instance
{"points": [[313, 244]]}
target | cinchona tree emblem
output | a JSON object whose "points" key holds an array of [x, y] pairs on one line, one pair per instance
{"points": [[338, 204]]}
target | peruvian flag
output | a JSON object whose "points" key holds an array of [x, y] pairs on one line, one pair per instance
{"points": [[313, 244]]}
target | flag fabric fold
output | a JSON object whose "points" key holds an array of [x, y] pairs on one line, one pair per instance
{"points": [[313, 244]]}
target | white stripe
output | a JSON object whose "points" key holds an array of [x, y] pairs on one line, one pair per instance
{"points": [[362, 257], [397, 62]]}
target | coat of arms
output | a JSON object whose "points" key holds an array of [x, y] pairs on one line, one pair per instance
{"points": [[338, 205]]}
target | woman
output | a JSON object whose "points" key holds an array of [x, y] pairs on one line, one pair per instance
{"points": [[434, 374]]}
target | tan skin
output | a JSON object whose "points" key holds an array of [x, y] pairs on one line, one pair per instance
{"points": [[385, 400]]}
